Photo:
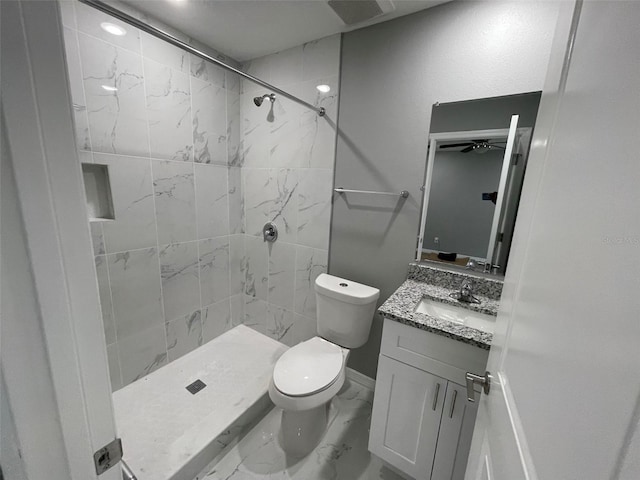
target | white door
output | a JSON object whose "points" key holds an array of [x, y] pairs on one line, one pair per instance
{"points": [[55, 380], [565, 365]]}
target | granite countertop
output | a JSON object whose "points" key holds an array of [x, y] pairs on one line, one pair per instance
{"points": [[401, 305]]}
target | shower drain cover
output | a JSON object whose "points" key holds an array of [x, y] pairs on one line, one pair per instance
{"points": [[196, 386]]}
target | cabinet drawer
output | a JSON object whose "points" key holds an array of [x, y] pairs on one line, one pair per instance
{"points": [[434, 353]]}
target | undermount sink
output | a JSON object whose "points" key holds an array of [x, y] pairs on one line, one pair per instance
{"points": [[459, 315]]}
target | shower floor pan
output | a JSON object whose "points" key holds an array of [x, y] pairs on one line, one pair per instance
{"points": [[169, 433]]}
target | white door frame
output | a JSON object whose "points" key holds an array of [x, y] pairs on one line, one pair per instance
{"points": [[38, 118]]}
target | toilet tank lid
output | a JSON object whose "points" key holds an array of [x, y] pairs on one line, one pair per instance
{"points": [[346, 291]]}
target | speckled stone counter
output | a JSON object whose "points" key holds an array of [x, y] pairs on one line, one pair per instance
{"points": [[438, 285]]}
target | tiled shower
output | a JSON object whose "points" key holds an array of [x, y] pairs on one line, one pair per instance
{"points": [[195, 170]]}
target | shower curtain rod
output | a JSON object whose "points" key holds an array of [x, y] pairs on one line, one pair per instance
{"points": [[156, 32]]}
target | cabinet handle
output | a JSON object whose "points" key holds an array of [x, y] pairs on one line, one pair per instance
{"points": [[435, 397], [453, 403]]}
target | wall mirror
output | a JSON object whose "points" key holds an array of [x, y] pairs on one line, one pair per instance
{"points": [[476, 162]]}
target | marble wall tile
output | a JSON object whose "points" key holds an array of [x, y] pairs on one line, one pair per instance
{"points": [[180, 279], [113, 358], [237, 309], [232, 82], [83, 139], [258, 67], [321, 58], [162, 52], [207, 71], [279, 324], [142, 353], [89, 21], [168, 112], [304, 328], [97, 238], [214, 269], [310, 263], [255, 313], [255, 267], [175, 201], [212, 200], [184, 334], [216, 319], [134, 226], [106, 306], [135, 291], [236, 201], [286, 67], [315, 189], [255, 131], [282, 263], [68, 13], [236, 264], [117, 118], [270, 195], [233, 128], [286, 139], [319, 133], [209, 122]]}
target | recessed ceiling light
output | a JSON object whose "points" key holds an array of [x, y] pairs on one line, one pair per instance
{"points": [[323, 88], [109, 88], [113, 29]]}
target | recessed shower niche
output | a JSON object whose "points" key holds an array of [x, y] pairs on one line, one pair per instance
{"points": [[98, 192]]}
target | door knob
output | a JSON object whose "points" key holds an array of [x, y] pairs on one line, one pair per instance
{"points": [[483, 381]]}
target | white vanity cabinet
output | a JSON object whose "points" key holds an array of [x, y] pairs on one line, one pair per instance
{"points": [[422, 422]]}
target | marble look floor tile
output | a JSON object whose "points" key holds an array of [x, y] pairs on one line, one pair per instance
{"points": [[212, 200], [175, 201], [310, 263], [134, 226], [216, 319], [135, 291], [209, 122], [214, 269], [341, 455], [183, 335], [168, 112], [180, 279], [271, 196], [114, 90]]}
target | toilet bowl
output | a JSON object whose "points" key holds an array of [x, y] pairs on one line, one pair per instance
{"points": [[310, 374]]}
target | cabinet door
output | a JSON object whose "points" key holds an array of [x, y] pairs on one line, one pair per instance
{"points": [[456, 430], [406, 415]]}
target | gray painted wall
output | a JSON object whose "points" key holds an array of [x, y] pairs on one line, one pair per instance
{"points": [[457, 215], [391, 75]]}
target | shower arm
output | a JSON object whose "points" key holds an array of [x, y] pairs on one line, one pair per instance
{"points": [[156, 32]]}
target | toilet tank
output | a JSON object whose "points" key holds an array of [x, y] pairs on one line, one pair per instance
{"points": [[344, 310]]}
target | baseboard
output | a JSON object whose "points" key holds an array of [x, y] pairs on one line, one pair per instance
{"points": [[361, 378]]}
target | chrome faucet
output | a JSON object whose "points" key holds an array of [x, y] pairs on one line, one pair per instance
{"points": [[466, 292]]}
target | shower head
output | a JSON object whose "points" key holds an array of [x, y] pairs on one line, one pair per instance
{"points": [[258, 100]]}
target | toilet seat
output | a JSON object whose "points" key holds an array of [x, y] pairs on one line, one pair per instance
{"points": [[308, 368]]}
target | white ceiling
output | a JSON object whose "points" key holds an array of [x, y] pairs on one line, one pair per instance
{"points": [[247, 29]]}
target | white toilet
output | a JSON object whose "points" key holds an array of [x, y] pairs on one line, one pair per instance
{"points": [[309, 375]]}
